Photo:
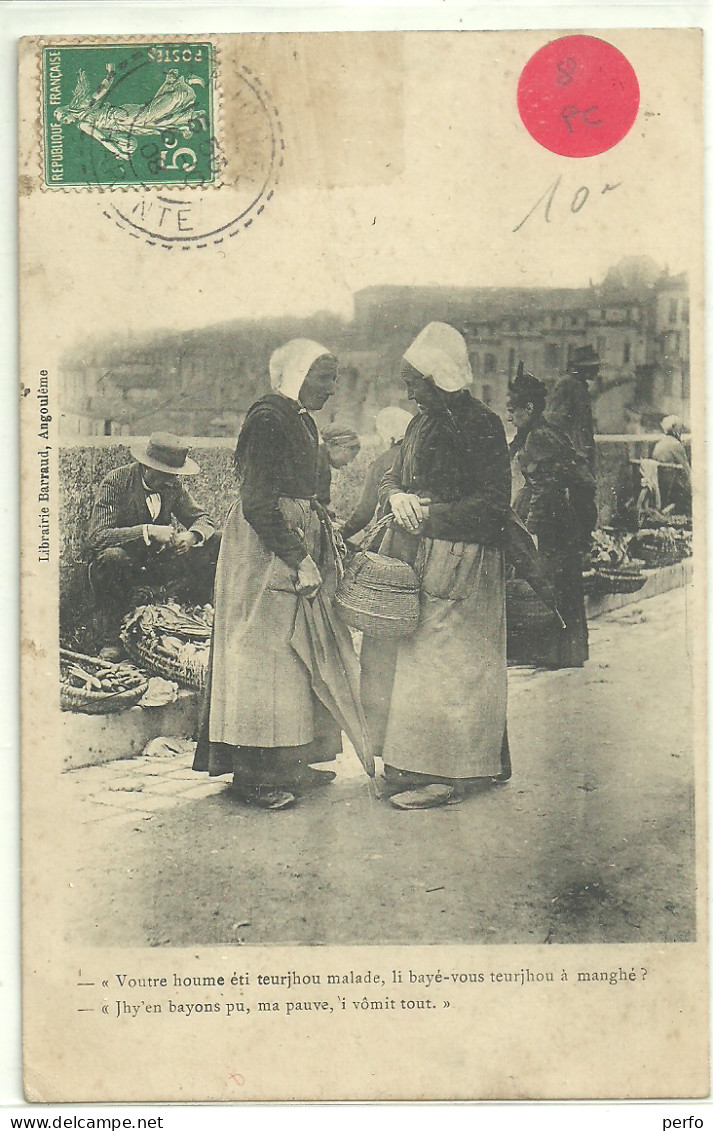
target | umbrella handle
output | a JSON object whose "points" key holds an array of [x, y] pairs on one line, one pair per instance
{"points": [[560, 618]]}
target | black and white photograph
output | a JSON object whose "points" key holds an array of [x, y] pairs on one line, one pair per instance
{"points": [[363, 552], [432, 558]]}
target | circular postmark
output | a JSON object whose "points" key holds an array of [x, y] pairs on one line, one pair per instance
{"points": [[578, 96], [176, 160], [194, 212]]}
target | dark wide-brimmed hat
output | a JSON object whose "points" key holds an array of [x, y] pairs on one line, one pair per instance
{"points": [[164, 452], [585, 357], [526, 388]]}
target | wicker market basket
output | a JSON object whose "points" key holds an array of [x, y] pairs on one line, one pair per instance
{"points": [[525, 610], [621, 581], [591, 582], [99, 702], [379, 596], [91, 700], [148, 652]]}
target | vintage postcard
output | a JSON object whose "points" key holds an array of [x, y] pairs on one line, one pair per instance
{"points": [[363, 566]]}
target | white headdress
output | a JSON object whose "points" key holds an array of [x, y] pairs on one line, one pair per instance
{"points": [[440, 352], [391, 423], [672, 425], [290, 364]]}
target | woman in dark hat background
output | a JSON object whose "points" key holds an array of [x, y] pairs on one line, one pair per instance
{"points": [[557, 506]]}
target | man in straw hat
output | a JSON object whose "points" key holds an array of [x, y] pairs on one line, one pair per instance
{"points": [[570, 406], [146, 530]]}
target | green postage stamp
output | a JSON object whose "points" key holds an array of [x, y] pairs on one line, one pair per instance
{"points": [[128, 114]]}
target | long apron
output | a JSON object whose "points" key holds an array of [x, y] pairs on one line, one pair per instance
{"points": [[283, 676], [448, 706]]}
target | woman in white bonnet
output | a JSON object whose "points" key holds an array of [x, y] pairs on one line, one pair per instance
{"points": [[675, 485], [449, 492], [275, 703]]}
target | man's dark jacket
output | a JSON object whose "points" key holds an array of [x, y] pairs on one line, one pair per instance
{"points": [[120, 512]]}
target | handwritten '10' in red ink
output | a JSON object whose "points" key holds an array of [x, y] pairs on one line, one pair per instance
{"points": [[578, 96]]}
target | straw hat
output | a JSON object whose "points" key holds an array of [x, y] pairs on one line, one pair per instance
{"points": [[164, 452]]}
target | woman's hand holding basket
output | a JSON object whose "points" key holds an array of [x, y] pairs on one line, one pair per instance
{"points": [[409, 511]]}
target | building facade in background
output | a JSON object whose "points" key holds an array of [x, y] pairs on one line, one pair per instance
{"points": [[201, 382]]}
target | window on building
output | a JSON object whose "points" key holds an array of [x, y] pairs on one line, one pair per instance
{"points": [[511, 363], [627, 352], [489, 363], [107, 428], [487, 394], [673, 310], [551, 355]]}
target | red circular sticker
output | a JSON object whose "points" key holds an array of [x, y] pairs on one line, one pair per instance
{"points": [[578, 96]]}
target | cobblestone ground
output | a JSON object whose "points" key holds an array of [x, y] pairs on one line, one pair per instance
{"points": [[591, 841]]}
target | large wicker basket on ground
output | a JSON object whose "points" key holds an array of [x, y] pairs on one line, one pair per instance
{"points": [[145, 635], [379, 596], [149, 653], [621, 580], [591, 583], [99, 702], [91, 700], [525, 611]]}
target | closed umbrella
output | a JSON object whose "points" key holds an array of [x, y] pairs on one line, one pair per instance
{"points": [[521, 553], [324, 646]]}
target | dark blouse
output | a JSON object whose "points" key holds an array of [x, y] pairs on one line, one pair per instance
{"points": [[569, 407], [458, 457], [277, 455], [557, 502]]}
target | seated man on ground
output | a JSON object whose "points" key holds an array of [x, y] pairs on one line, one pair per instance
{"points": [[147, 532]]}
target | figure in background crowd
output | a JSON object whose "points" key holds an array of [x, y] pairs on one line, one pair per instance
{"points": [[147, 532], [557, 505], [675, 485], [570, 404], [284, 678], [436, 700], [391, 424], [338, 446]]}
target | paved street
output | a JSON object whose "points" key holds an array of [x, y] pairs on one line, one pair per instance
{"points": [[591, 841]]}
